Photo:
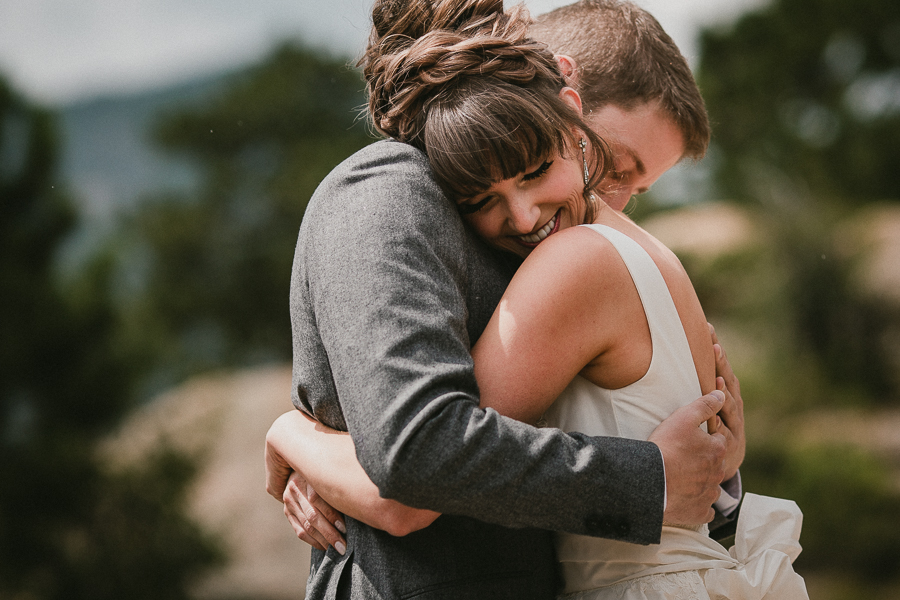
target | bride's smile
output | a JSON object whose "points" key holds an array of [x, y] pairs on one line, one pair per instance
{"points": [[541, 234]]}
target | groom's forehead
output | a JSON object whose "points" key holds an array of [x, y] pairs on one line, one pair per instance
{"points": [[633, 128]]}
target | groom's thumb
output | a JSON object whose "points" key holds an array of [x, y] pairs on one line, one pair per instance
{"points": [[701, 410], [708, 406], [688, 418]]}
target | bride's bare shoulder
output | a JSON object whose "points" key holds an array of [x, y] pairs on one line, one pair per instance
{"points": [[576, 262], [573, 248]]}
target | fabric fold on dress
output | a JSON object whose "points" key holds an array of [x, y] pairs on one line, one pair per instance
{"points": [[766, 542], [757, 567]]}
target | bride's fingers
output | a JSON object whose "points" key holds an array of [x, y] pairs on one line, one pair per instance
{"points": [[329, 513], [322, 526], [299, 521], [305, 514], [301, 532]]}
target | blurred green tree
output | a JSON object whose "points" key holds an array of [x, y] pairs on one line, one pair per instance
{"points": [[804, 96], [215, 264], [68, 527]]}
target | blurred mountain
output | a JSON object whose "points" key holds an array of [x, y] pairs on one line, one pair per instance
{"points": [[107, 155]]}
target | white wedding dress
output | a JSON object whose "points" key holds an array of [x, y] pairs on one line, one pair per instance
{"points": [[687, 563]]}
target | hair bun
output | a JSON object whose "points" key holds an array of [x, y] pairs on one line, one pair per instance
{"points": [[412, 19], [452, 42]]}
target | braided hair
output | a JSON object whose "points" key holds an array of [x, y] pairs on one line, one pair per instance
{"points": [[461, 81]]}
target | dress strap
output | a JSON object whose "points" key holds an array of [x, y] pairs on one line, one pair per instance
{"points": [[666, 331]]}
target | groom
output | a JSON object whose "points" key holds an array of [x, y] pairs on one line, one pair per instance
{"points": [[389, 291]]}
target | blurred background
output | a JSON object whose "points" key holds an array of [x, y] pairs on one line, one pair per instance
{"points": [[155, 161]]}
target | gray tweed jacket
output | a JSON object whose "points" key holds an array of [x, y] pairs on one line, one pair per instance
{"points": [[389, 290]]}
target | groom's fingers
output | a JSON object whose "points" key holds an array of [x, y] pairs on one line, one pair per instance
{"points": [[692, 460], [700, 410], [732, 413], [733, 410], [733, 430]]}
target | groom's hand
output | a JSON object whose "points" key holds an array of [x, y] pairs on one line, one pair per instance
{"points": [[732, 412], [693, 461]]}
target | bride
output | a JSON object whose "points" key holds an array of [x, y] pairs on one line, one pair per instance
{"points": [[600, 331]]}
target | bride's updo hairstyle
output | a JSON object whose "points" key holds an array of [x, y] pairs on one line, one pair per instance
{"points": [[460, 80]]}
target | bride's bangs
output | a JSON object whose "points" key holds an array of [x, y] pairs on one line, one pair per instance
{"points": [[491, 134]]}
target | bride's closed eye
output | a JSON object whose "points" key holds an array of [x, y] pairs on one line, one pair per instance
{"points": [[468, 209], [537, 172]]}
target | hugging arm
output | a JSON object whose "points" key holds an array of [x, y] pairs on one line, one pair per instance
{"points": [[321, 462], [542, 336], [409, 395]]}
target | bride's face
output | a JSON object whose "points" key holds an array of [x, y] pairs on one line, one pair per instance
{"points": [[519, 213]]}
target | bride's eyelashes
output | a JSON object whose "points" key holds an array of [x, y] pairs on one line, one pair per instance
{"points": [[538, 172], [468, 209]]}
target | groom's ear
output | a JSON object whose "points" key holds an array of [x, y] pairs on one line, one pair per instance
{"points": [[572, 98], [569, 69]]}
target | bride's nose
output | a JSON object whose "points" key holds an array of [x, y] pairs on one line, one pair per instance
{"points": [[524, 215]]}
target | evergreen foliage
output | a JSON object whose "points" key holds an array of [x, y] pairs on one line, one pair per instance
{"points": [[805, 100], [215, 264], [68, 527], [804, 96]]}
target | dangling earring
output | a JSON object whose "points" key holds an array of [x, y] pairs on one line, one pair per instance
{"points": [[583, 145], [591, 200]]}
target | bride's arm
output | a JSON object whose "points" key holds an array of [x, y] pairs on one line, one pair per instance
{"points": [[558, 316], [326, 459]]}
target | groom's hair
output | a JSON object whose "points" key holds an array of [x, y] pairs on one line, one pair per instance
{"points": [[625, 58]]}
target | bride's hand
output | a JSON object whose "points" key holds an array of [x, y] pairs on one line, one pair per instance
{"points": [[325, 460], [314, 520]]}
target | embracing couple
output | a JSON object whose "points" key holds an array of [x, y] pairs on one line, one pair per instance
{"points": [[517, 429]]}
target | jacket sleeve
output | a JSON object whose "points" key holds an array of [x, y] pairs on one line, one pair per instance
{"points": [[384, 260]]}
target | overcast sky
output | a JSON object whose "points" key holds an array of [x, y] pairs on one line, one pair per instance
{"points": [[57, 51]]}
